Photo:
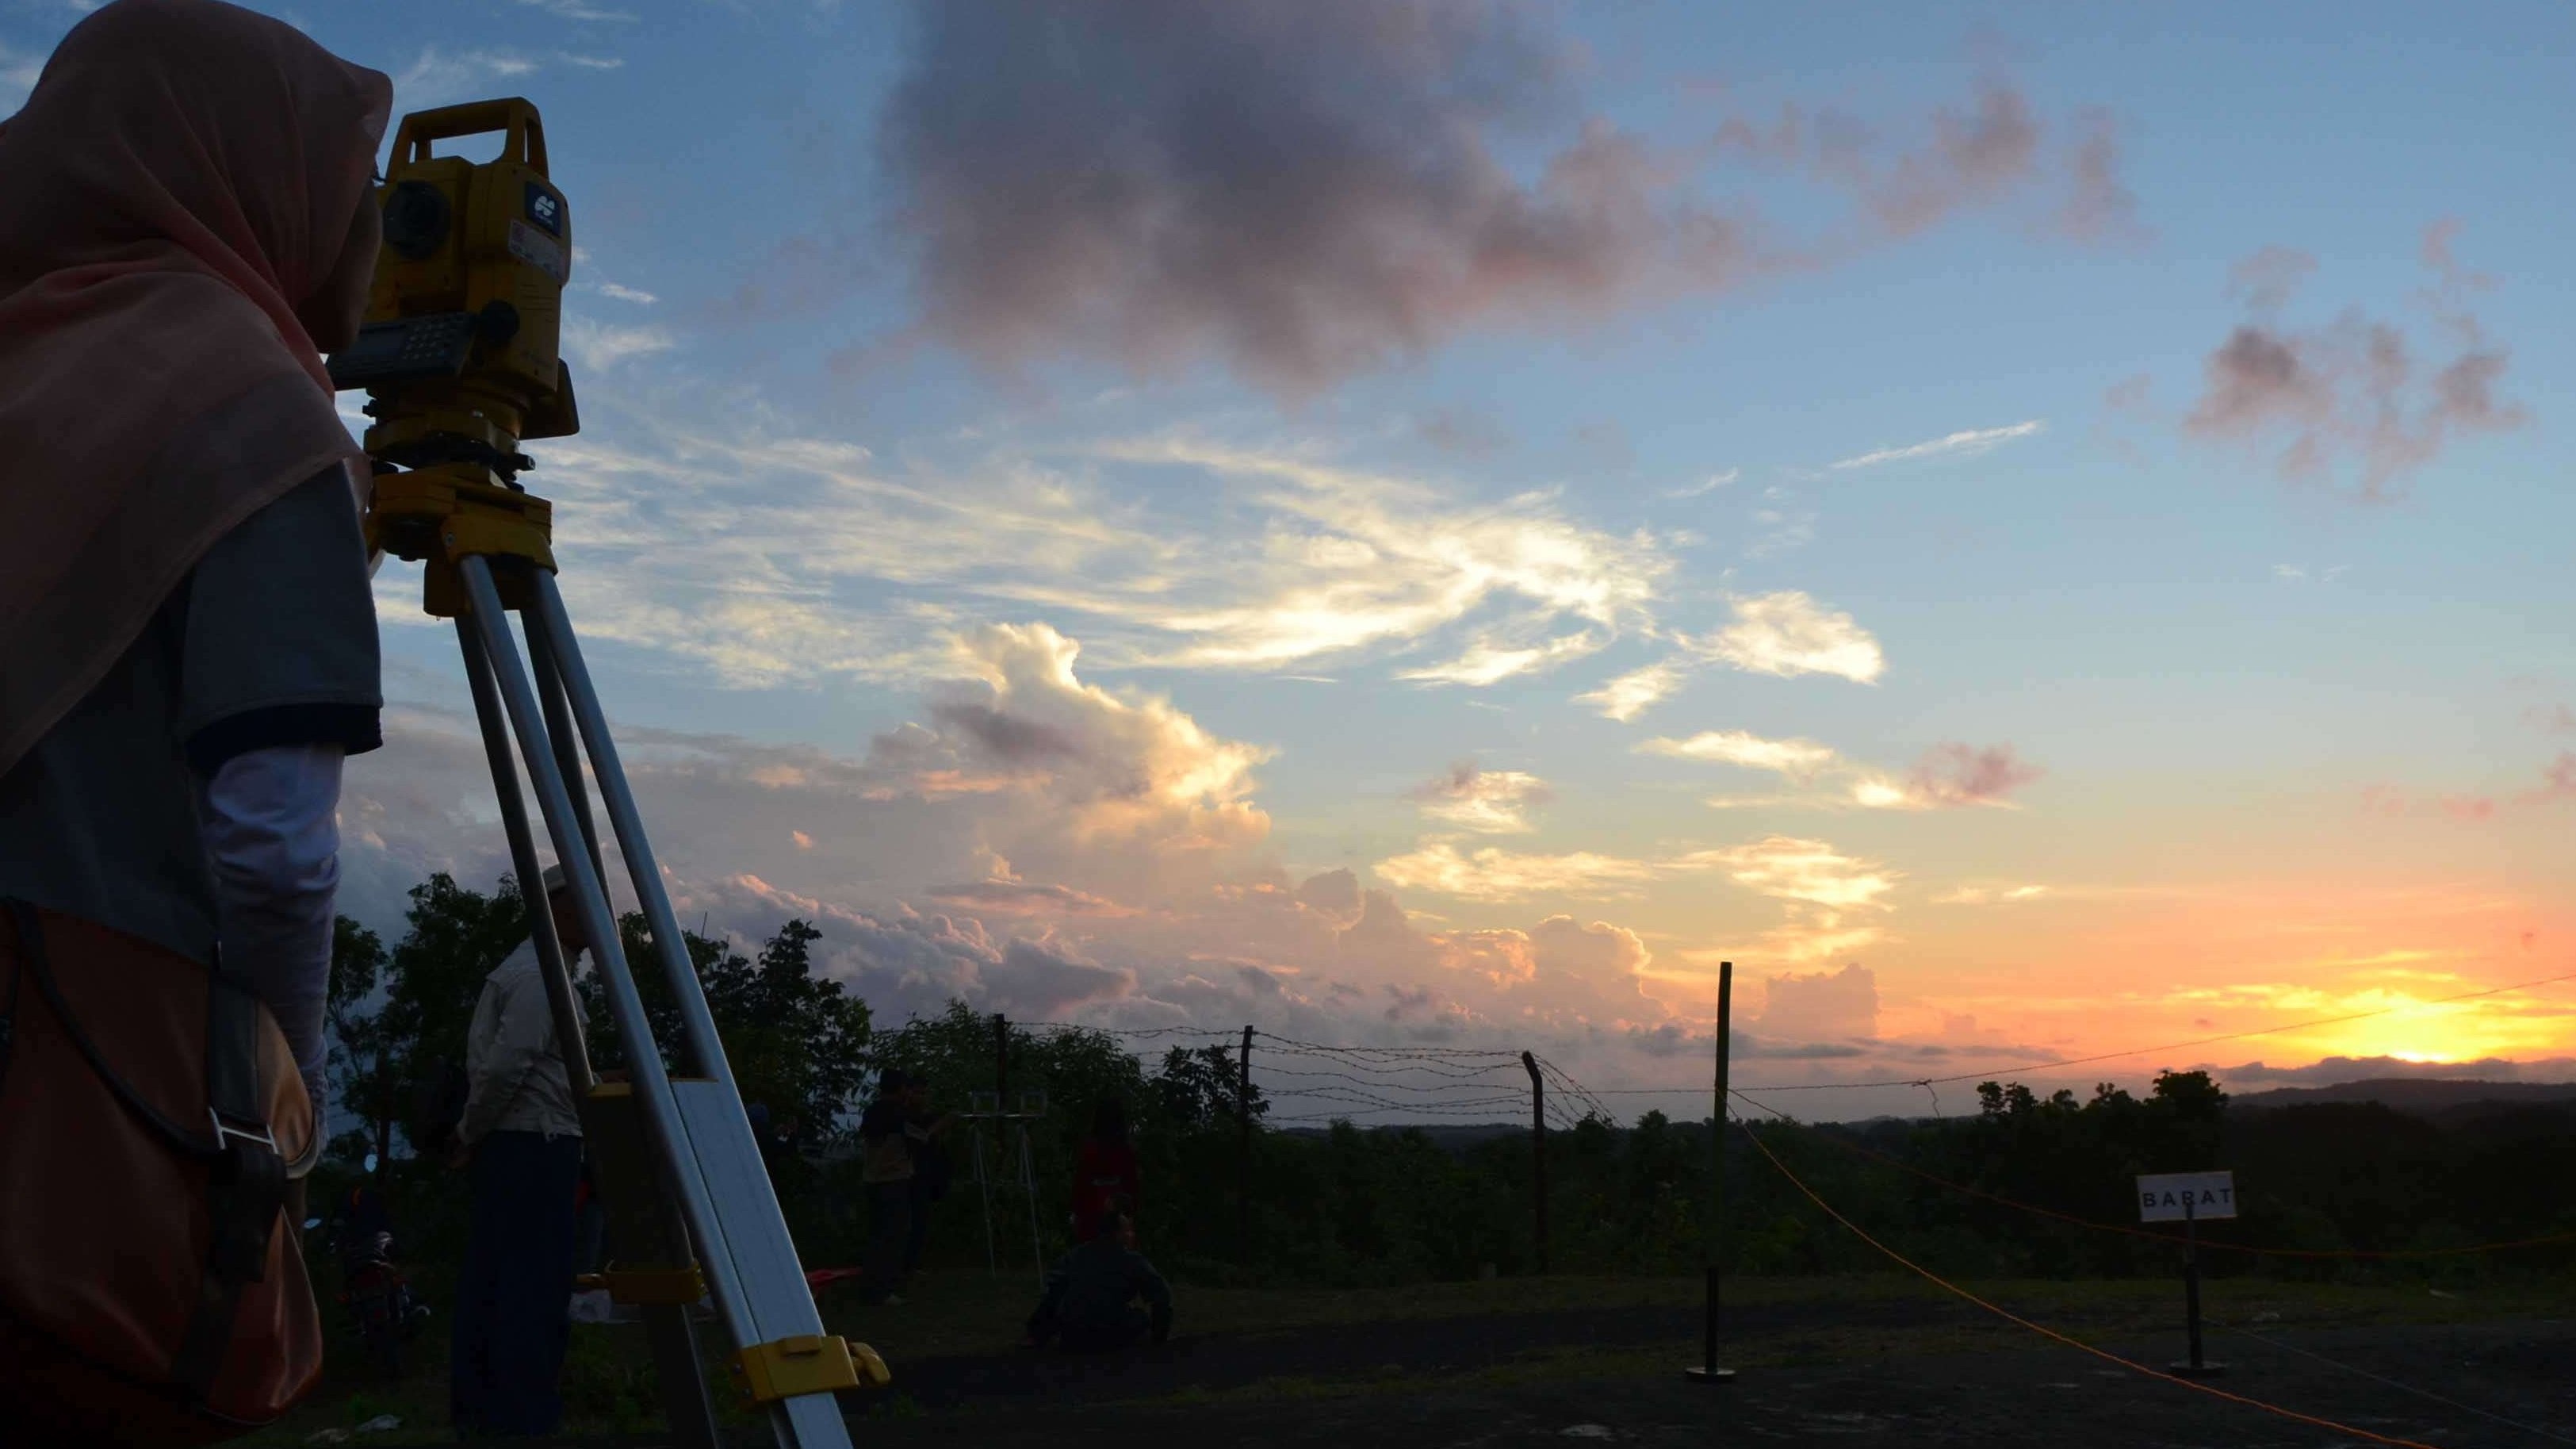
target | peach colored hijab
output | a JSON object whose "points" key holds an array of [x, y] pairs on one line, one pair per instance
{"points": [[180, 236]]}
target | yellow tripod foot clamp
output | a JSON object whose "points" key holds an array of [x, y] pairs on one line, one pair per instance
{"points": [[810, 1364], [642, 1285]]}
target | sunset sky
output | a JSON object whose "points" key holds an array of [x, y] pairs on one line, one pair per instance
{"points": [[2033, 532]]}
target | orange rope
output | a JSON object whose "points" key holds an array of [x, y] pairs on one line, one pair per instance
{"points": [[2011, 1317], [2135, 1232]]}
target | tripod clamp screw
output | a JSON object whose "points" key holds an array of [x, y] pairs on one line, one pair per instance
{"points": [[810, 1364]]}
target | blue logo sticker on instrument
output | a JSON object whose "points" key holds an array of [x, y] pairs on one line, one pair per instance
{"points": [[545, 208]]}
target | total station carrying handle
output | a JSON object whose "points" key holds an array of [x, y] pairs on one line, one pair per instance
{"points": [[527, 135]]}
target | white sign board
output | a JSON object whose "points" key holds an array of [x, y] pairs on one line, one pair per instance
{"points": [[2172, 1197]]}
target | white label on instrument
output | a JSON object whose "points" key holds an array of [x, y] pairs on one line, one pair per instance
{"points": [[538, 250]]}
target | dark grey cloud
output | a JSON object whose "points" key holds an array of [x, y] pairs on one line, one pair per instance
{"points": [[2352, 394], [2099, 206], [1308, 189]]}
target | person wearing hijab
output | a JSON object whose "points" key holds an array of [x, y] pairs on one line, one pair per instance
{"points": [[187, 636]]}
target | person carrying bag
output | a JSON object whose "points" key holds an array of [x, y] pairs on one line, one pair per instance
{"points": [[187, 654]]}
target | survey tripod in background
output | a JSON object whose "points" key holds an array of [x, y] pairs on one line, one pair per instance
{"points": [[1007, 1164], [459, 358]]}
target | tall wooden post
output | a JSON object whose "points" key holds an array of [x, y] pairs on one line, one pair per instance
{"points": [[1538, 1155], [1001, 1065], [1707, 1371], [1243, 1164]]}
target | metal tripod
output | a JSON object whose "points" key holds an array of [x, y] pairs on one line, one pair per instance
{"points": [[691, 1212]]}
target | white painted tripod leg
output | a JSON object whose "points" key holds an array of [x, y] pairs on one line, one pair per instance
{"points": [[553, 969], [662, 1118], [745, 1237]]}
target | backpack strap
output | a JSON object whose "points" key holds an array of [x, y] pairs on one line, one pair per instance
{"points": [[245, 1191], [246, 1178]]}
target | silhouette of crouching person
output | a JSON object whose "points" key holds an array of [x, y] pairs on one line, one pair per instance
{"points": [[1103, 1296]]}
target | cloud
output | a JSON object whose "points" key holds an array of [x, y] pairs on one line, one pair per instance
{"points": [[599, 348], [1025, 898], [1789, 634], [2099, 207], [704, 526], [441, 77], [1808, 872], [2267, 280], [2556, 719], [1819, 888], [1971, 158], [1820, 1006], [1633, 693], [1797, 759], [590, 62], [627, 294], [2333, 1071], [1489, 802], [1990, 895], [2557, 786], [1493, 874], [1951, 775], [576, 10], [1710, 483], [1971, 442], [1487, 661], [1462, 431], [1358, 559], [1069, 183], [2351, 394]]}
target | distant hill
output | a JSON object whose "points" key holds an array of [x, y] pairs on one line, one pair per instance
{"points": [[2421, 1096]]}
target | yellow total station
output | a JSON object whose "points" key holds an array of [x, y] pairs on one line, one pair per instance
{"points": [[459, 352]]}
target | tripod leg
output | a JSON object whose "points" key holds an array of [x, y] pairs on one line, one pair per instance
{"points": [[731, 1210], [663, 1121], [553, 969], [559, 731], [547, 613]]}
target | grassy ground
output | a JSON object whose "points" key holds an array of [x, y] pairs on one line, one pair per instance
{"points": [[1244, 1345]]}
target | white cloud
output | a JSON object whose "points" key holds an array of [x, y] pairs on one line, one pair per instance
{"points": [[1708, 484], [576, 10], [1493, 874], [1635, 692], [1973, 441], [591, 62], [1489, 802], [599, 348], [1487, 662], [1810, 872], [1355, 559], [1990, 895], [439, 77], [1797, 759], [1788, 633], [627, 294]]}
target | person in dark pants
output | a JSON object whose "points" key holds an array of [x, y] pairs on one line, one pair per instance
{"points": [[893, 1133], [1103, 1296], [522, 1142]]}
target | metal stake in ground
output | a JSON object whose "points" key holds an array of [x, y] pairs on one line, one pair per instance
{"points": [[1707, 1371], [2189, 1196], [1538, 1156]]}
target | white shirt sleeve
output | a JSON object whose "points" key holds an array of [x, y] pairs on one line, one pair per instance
{"points": [[271, 825]]}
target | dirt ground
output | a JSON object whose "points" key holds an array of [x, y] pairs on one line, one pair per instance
{"points": [[2043, 1398], [1862, 1362]]}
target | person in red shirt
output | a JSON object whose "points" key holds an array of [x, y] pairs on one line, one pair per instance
{"points": [[1105, 1177]]}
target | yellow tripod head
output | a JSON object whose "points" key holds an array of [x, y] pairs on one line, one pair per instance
{"points": [[459, 351]]}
